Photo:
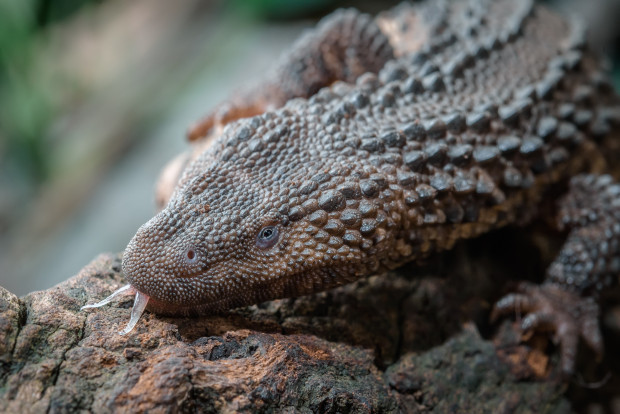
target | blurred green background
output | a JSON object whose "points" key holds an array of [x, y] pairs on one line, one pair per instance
{"points": [[96, 96]]}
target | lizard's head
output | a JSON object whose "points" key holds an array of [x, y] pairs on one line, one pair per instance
{"points": [[225, 240], [213, 246]]}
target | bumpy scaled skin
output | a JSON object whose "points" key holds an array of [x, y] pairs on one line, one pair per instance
{"points": [[485, 107]]}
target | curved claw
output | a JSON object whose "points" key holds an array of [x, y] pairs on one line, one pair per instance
{"points": [[551, 308], [538, 322], [513, 302]]}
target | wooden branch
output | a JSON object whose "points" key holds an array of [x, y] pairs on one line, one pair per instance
{"points": [[385, 344]]}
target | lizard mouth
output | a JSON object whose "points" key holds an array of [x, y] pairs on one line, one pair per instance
{"points": [[139, 305]]}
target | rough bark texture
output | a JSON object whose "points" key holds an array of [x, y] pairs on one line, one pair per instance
{"points": [[415, 340]]}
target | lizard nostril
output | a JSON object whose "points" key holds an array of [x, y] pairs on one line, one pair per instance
{"points": [[191, 256]]}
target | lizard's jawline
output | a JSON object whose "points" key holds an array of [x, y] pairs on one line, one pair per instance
{"points": [[137, 310]]}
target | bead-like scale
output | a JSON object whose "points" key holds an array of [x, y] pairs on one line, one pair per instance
{"points": [[427, 125]]}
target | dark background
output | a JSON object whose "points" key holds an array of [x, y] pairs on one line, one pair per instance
{"points": [[96, 97]]}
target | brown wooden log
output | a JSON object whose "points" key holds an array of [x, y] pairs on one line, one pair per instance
{"points": [[401, 342]]}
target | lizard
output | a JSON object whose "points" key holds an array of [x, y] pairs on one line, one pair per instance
{"points": [[379, 141]]}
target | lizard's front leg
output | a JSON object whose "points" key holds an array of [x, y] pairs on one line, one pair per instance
{"points": [[345, 45], [589, 262]]}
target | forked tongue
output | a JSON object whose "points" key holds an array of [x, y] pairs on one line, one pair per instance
{"points": [[139, 304]]}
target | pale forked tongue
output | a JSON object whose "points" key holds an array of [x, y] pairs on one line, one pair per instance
{"points": [[139, 305], [124, 291]]}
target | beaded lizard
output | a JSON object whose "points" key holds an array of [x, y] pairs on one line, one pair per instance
{"points": [[378, 141]]}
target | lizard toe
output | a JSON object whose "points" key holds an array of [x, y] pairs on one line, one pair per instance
{"points": [[551, 308], [538, 322], [513, 302]]}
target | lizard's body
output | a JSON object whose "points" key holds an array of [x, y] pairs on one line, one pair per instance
{"points": [[478, 109]]}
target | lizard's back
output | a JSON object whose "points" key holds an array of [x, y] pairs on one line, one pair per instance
{"points": [[485, 105]]}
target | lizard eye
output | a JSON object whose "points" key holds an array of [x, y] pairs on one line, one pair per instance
{"points": [[267, 237]]}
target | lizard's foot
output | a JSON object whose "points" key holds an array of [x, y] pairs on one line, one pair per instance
{"points": [[551, 308]]}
